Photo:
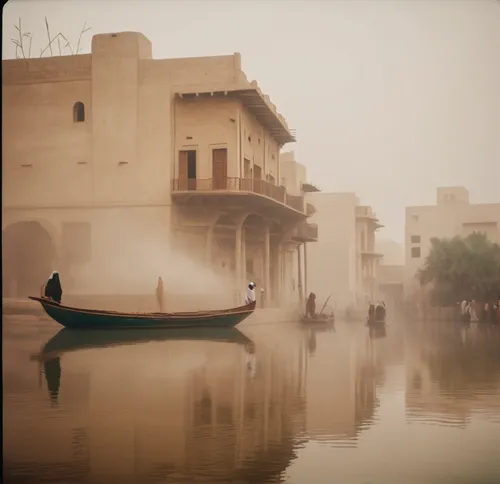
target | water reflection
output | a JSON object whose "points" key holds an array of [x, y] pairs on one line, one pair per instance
{"points": [[270, 403], [156, 405], [453, 372], [312, 329], [343, 374], [74, 340]]}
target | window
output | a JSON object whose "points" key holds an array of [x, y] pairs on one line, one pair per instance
{"points": [[415, 239], [415, 252], [78, 112]]}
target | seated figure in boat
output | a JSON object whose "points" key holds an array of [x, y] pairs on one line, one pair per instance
{"points": [[380, 311], [311, 306], [53, 289], [250, 293]]}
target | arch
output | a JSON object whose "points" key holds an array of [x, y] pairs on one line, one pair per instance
{"points": [[29, 255], [78, 112]]}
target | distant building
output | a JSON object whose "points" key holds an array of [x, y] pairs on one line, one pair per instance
{"points": [[114, 145], [452, 215], [344, 261]]}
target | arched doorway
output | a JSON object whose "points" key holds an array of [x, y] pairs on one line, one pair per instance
{"points": [[28, 256]]}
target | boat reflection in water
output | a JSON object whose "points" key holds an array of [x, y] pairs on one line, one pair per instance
{"points": [[312, 330], [69, 340], [377, 331]]}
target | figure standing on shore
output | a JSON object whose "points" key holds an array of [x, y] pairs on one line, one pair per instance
{"points": [[53, 289]]}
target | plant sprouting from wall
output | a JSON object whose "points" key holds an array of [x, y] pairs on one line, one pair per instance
{"points": [[57, 44]]}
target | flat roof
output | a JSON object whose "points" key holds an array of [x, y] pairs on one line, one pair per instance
{"points": [[256, 103]]}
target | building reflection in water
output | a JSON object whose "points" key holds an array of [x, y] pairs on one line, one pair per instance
{"points": [[344, 371], [453, 373], [168, 410]]}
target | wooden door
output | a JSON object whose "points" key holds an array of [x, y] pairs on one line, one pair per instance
{"points": [[219, 169], [183, 170], [257, 179]]}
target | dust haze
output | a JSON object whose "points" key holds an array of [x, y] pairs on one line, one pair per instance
{"points": [[129, 262]]}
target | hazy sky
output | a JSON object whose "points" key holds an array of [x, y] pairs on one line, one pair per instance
{"points": [[390, 98]]}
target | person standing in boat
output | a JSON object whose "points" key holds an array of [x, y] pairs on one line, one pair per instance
{"points": [[311, 306], [53, 289], [250, 293], [159, 293]]}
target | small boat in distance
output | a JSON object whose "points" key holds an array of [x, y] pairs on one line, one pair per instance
{"points": [[376, 315], [320, 319], [75, 318]]}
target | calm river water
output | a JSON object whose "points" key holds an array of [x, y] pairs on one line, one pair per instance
{"points": [[268, 403]]}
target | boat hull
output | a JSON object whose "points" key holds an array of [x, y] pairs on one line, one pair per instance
{"points": [[375, 322], [74, 318], [319, 320]]}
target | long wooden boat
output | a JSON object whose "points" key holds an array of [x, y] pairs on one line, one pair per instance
{"points": [[75, 318]]}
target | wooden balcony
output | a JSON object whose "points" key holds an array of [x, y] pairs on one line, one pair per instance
{"points": [[306, 232], [366, 213], [234, 190], [310, 209]]}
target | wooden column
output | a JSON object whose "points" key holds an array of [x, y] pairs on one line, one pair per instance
{"points": [[305, 270], [299, 281], [267, 266], [237, 254]]}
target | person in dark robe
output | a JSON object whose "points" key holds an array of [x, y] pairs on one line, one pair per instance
{"points": [[380, 311], [159, 293], [53, 289], [371, 312], [311, 306]]}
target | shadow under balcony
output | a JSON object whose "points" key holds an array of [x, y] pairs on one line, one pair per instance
{"points": [[306, 232], [243, 193]]}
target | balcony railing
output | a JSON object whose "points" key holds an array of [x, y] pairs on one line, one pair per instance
{"points": [[260, 187]]}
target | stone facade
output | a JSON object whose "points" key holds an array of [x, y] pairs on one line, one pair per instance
{"points": [[452, 215], [172, 165]]}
